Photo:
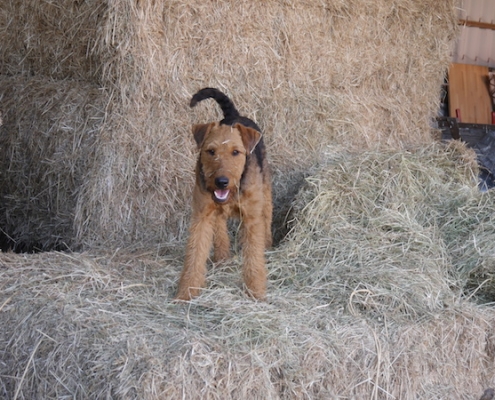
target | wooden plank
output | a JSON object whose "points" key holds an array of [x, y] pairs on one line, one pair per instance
{"points": [[477, 24], [468, 92]]}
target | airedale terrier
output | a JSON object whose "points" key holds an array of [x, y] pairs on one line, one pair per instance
{"points": [[232, 180]]}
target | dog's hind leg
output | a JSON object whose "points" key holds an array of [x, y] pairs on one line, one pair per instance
{"points": [[268, 215]]}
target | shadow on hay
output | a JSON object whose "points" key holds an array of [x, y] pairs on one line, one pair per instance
{"points": [[25, 246], [284, 193]]}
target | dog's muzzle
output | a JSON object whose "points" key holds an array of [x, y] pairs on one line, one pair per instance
{"points": [[221, 194]]}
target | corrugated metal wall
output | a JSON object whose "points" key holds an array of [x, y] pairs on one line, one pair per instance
{"points": [[476, 45]]}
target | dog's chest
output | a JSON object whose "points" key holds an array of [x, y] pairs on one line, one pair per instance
{"points": [[232, 209]]}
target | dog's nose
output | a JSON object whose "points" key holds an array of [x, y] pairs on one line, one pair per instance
{"points": [[222, 182]]}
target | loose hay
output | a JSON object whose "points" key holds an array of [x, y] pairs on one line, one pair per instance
{"points": [[365, 301], [103, 326], [402, 230]]}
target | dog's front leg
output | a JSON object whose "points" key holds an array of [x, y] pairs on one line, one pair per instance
{"points": [[221, 241], [197, 251], [253, 251]]}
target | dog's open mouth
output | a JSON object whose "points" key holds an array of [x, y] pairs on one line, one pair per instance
{"points": [[221, 195]]}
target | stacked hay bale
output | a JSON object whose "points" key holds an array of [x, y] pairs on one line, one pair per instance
{"points": [[360, 73], [371, 292]]}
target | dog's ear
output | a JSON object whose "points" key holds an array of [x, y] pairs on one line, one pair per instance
{"points": [[200, 131], [250, 137]]}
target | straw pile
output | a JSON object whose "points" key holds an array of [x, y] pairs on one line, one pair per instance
{"points": [[365, 301], [412, 225], [362, 73]]}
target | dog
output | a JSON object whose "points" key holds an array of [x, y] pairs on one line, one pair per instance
{"points": [[232, 181]]}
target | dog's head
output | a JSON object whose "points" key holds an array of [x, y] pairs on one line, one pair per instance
{"points": [[222, 159]]}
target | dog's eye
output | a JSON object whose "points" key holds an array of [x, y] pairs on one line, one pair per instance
{"points": [[211, 152], [236, 152]]}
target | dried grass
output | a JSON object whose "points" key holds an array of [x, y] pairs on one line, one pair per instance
{"points": [[372, 294], [312, 74], [398, 229], [47, 143], [366, 300], [103, 326], [51, 38]]}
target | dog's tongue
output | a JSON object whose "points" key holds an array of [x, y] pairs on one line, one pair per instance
{"points": [[221, 195]]}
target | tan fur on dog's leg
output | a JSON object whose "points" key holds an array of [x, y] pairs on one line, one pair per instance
{"points": [[267, 215], [254, 269], [197, 251], [221, 241]]}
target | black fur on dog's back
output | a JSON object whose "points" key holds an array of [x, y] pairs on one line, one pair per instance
{"points": [[230, 113]]}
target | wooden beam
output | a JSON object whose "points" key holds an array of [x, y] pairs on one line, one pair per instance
{"points": [[477, 24]]}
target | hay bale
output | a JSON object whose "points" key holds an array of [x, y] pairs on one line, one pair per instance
{"points": [[401, 231], [470, 234], [365, 300], [50, 38], [46, 144], [311, 75], [360, 73], [103, 326], [139, 185]]}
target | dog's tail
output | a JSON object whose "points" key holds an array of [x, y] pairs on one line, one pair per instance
{"points": [[223, 101]]}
